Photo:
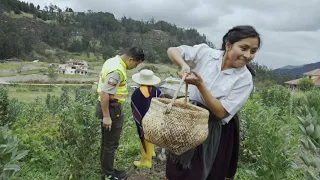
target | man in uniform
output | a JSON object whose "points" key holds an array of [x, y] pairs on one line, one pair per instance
{"points": [[112, 90]]}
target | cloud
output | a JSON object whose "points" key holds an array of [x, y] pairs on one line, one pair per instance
{"points": [[289, 28]]}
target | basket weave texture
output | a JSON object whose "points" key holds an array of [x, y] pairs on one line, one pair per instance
{"points": [[181, 129]]}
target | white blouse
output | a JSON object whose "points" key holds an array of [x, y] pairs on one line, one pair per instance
{"points": [[232, 86]]}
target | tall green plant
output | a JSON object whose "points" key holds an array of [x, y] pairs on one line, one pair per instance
{"points": [[64, 97], [314, 99], [85, 96], [268, 144], [310, 128], [9, 154], [306, 84], [4, 103], [38, 132], [277, 96], [79, 134]]}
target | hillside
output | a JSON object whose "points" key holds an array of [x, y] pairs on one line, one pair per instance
{"points": [[297, 72], [50, 34], [290, 67], [53, 34]]}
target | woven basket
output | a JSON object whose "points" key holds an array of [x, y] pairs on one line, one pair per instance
{"points": [[175, 125]]}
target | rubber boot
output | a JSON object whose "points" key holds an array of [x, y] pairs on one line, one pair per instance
{"points": [[146, 158]]}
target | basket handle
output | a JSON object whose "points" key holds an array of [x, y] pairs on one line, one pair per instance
{"points": [[176, 94]]}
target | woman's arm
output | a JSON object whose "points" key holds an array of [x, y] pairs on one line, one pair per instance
{"points": [[212, 103], [228, 106], [175, 55]]}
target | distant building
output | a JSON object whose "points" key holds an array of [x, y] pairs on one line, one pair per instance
{"points": [[314, 75], [74, 67]]}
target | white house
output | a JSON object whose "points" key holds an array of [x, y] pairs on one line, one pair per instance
{"points": [[74, 67]]}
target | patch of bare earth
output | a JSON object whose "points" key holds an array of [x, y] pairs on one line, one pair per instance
{"points": [[157, 172]]}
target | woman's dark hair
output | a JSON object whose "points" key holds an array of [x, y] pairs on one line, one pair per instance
{"points": [[238, 33], [136, 53]]}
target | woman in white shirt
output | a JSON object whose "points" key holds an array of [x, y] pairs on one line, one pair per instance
{"points": [[222, 84]]}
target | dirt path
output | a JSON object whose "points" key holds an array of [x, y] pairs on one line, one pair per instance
{"points": [[157, 172]]}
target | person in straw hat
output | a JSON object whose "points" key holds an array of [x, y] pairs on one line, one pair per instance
{"points": [[140, 103], [222, 83]]}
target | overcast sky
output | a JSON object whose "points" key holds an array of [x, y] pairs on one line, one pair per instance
{"points": [[290, 29]]}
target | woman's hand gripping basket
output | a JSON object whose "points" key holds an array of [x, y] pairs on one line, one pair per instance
{"points": [[174, 125]]}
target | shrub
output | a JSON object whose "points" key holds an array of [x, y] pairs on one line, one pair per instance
{"points": [[276, 97], [267, 143], [4, 103], [9, 154], [305, 84]]}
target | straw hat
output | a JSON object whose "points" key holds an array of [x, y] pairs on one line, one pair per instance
{"points": [[146, 77]]}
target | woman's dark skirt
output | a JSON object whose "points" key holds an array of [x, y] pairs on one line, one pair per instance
{"points": [[225, 164]]}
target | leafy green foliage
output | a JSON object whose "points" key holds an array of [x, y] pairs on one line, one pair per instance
{"points": [[277, 96], [100, 33], [268, 143], [4, 103], [64, 97], [14, 42], [78, 127], [151, 67], [38, 133], [9, 154], [57, 132], [305, 84], [310, 128], [52, 74]]}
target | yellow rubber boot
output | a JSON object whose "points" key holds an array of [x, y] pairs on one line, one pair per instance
{"points": [[146, 158]]}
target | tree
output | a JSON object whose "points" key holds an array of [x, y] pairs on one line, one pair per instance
{"points": [[46, 8], [108, 52], [38, 7], [52, 74], [4, 104], [305, 84], [17, 11], [52, 8], [32, 8], [19, 68], [75, 46]]}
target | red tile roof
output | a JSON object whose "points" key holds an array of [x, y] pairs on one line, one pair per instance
{"points": [[316, 81], [293, 82], [315, 72]]}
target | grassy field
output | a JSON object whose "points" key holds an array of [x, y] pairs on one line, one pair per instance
{"points": [[30, 95], [86, 58], [26, 93], [9, 66], [75, 76], [16, 65], [22, 15]]}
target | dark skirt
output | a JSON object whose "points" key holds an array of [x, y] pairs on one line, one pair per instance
{"points": [[225, 164]]}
